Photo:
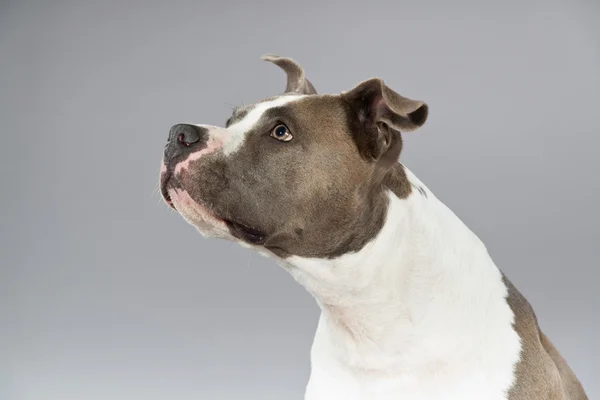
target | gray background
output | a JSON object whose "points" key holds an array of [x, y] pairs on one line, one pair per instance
{"points": [[106, 294]]}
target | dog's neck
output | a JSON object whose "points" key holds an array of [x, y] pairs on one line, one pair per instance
{"points": [[423, 284]]}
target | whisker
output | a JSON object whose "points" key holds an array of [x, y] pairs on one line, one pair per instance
{"points": [[249, 259]]}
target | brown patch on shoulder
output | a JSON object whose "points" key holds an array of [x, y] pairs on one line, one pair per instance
{"points": [[571, 385], [541, 372]]}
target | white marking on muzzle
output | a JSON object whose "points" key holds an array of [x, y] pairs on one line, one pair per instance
{"points": [[240, 129], [217, 137], [211, 146]]}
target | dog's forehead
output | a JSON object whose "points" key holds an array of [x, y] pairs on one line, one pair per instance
{"points": [[245, 118]]}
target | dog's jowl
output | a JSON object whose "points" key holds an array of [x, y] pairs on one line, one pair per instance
{"points": [[413, 307]]}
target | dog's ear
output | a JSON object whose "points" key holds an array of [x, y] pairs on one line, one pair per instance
{"points": [[296, 80], [378, 115]]}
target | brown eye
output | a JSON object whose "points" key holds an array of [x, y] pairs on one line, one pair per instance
{"points": [[281, 132]]}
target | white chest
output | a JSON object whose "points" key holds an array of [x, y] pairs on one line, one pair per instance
{"points": [[403, 388], [483, 374]]}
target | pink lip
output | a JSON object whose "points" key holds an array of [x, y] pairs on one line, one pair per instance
{"points": [[184, 204]]}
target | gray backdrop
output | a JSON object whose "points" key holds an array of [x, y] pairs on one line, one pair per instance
{"points": [[106, 294]]}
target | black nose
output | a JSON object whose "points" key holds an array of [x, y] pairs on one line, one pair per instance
{"points": [[184, 138], [186, 134]]}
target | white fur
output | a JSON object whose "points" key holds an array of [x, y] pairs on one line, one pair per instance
{"points": [[240, 129], [419, 313]]}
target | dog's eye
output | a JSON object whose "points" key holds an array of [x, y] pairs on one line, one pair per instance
{"points": [[281, 132]]}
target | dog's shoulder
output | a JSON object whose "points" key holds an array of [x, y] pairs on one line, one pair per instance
{"points": [[542, 373]]}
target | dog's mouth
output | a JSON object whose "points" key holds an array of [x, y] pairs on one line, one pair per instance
{"points": [[236, 229], [165, 178], [245, 232], [167, 197]]}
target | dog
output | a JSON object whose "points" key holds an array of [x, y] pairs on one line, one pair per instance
{"points": [[412, 305]]}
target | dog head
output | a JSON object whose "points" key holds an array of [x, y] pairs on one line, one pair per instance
{"points": [[297, 174]]}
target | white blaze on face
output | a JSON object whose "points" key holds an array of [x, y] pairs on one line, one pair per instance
{"points": [[240, 129]]}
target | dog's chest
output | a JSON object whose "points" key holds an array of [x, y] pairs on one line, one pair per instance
{"points": [[475, 368], [329, 385]]}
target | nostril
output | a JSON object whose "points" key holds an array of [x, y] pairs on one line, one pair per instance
{"points": [[182, 139]]}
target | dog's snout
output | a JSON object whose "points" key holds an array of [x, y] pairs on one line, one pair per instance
{"points": [[184, 139]]}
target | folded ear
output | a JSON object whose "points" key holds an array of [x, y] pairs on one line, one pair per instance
{"points": [[296, 79], [379, 115]]}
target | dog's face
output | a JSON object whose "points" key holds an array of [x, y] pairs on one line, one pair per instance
{"points": [[298, 174]]}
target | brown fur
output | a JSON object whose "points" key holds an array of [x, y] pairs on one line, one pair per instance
{"points": [[542, 373]]}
